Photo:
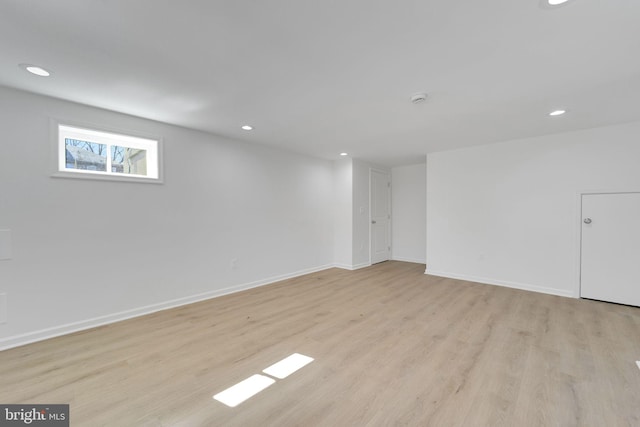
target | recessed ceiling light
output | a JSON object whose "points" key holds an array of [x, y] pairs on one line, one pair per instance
{"points": [[34, 69], [552, 4], [557, 113], [247, 127], [344, 154]]}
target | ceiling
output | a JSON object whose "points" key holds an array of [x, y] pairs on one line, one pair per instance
{"points": [[325, 76]]}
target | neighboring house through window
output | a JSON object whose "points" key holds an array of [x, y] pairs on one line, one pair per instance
{"points": [[103, 154]]}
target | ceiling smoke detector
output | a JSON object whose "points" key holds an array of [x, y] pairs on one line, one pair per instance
{"points": [[418, 98]]}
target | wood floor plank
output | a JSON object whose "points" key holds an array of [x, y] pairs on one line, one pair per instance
{"points": [[392, 346]]}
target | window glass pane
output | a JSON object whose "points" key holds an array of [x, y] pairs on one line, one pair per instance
{"points": [[85, 155], [104, 154], [126, 160]]}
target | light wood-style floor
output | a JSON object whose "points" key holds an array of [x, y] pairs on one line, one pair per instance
{"points": [[391, 346]]}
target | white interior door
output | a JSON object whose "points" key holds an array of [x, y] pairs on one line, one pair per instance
{"points": [[380, 216], [610, 257]]}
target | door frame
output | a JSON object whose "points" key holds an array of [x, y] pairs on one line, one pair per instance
{"points": [[389, 234], [577, 292]]}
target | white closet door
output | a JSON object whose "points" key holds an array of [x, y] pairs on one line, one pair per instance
{"points": [[610, 258], [380, 217]]}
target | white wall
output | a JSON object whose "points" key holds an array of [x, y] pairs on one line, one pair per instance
{"points": [[509, 214], [87, 252], [409, 212], [343, 212]]}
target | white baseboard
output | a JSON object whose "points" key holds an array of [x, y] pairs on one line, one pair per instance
{"points": [[507, 284], [413, 260], [353, 267], [43, 334]]}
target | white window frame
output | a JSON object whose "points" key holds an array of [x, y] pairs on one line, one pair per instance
{"points": [[62, 130]]}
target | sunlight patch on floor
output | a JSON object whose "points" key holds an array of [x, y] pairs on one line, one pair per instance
{"points": [[235, 395], [288, 365]]}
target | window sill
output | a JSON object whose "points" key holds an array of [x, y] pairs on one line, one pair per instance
{"points": [[101, 177]]}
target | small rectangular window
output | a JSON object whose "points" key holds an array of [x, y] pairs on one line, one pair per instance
{"points": [[104, 154]]}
